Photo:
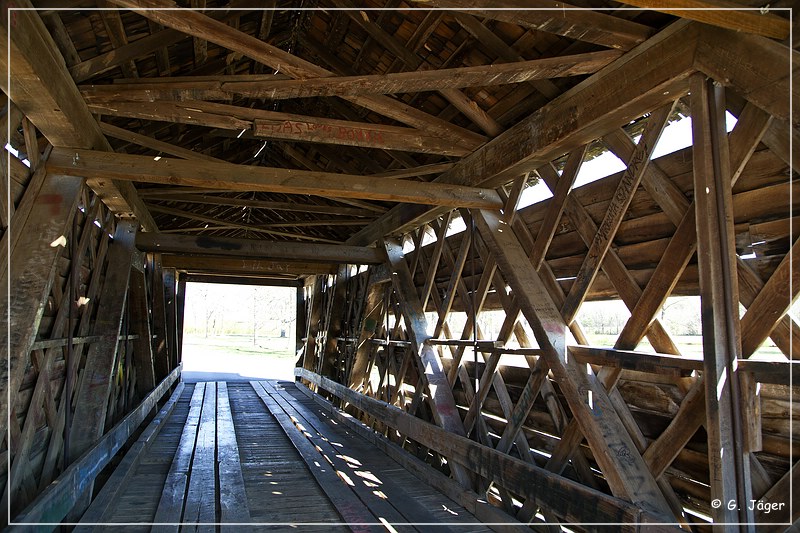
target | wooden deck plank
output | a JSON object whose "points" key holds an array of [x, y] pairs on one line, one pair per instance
{"points": [[278, 487], [232, 496], [200, 508], [139, 501], [170, 507], [275, 486]]}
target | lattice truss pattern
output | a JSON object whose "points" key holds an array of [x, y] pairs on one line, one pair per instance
{"points": [[603, 425], [86, 291]]}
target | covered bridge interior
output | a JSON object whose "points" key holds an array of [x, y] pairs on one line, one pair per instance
{"points": [[378, 157]]}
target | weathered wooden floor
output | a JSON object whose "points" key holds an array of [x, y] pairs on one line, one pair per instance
{"points": [[263, 453]]}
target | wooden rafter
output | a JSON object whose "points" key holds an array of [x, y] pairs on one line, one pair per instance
{"points": [[153, 144], [556, 17], [197, 24], [116, 34]]}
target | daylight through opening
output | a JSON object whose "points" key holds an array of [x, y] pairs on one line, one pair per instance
{"points": [[239, 332]]}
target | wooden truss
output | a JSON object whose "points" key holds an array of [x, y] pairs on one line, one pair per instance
{"points": [[524, 414]]}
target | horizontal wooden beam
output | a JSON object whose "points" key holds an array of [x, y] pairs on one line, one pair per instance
{"points": [[777, 372], [286, 126], [573, 501], [198, 198], [59, 497], [204, 264], [243, 280], [400, 82], [721, 13], [279, 251], [639, 361], [230, 177]]}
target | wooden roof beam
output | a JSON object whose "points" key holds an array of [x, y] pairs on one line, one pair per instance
{"points": [[230, 177], [204, 264], [391, 43], [561, 19], [198, 198], [721, 13], [157, 42], [239, 279], [199, 25], [260, 249], [287, 126], [401, 82], [116, 34], [55, 106], [656, 72]]}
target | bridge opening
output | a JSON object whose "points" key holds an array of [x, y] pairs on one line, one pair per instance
{"points": [[239, 332]]}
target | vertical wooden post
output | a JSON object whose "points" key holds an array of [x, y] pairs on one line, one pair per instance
{"points": [[312, 327], [337, 311], [161, 346], [300, 318], [373, 312], [170, 304], [142, 347], [181, 309], [729, 466], [91, 398]]}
